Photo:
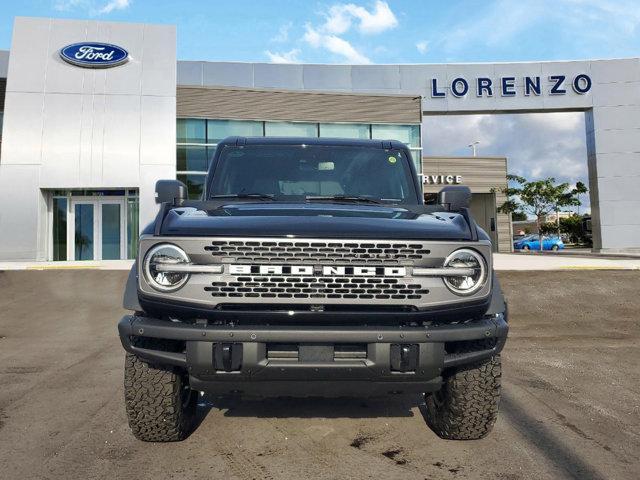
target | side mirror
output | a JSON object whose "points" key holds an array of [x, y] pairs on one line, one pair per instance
{"points": [[456, 197], [171, 191]]}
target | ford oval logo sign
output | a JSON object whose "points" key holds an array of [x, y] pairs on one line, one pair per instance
{"points": [[94, 55]]}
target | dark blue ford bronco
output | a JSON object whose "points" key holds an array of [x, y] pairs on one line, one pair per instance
{"points": [[312, 267]]}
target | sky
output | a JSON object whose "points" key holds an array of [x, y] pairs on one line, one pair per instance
{"points": [[399, 31]]}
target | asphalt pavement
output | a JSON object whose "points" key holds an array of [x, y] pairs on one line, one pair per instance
{"points": [[570, 406]]}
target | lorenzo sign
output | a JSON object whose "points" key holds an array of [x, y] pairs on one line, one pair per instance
{"points": [[94, 55], [507, 87]]}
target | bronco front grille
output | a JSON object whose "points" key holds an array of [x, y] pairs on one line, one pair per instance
{"points": [[261, 251], [369, 274], [322, 287]]}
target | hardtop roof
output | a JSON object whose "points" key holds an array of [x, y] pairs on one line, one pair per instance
{"points": [[340, 142]]}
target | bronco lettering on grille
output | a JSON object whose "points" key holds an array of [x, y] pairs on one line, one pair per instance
{"points": [[336, 271]]}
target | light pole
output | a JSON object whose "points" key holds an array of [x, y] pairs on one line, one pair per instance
{"points": [[473, 146]]}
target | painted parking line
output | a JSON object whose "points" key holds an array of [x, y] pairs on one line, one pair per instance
{"points": [[64, 267], [598, 267]]}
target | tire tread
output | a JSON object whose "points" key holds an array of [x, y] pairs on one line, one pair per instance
{"points": [[466, 407], [153, 400]]}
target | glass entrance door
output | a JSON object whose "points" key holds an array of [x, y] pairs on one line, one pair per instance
{"points": [[98, 229], [84, 230], [112, 230]]}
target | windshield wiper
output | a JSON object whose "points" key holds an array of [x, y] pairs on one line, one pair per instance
{"points": [[342, 198], [260, 196]]}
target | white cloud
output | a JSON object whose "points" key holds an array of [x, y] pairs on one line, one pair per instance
{"points": [[292, 56], [114, 5], [329, 33], [335, 45], [338, 20], [558, 123], [312, 36], [91, 7], [340, 46], [283, 33], [340, 17], [422, 46]]}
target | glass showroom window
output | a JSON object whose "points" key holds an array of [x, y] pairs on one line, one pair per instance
{"points": [[290, 129], [218, 130], [408, 134], [345, 130], [192, 154], [196, 142], [191, 130], [193, 158], [197, 139]]}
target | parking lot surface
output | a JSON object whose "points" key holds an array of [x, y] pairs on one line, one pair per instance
{"points": [[570, 405]]}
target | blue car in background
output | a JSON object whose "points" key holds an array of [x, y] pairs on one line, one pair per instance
{"points": [[532, 242]]}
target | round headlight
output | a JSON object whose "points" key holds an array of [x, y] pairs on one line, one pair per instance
{"points": [[469, 260], [158, 267]]}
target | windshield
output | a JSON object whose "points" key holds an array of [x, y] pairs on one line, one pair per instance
{"points": [[282, 171]]}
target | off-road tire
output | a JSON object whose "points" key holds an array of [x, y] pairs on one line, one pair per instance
{"points": [[466, 407], [159, 405]]}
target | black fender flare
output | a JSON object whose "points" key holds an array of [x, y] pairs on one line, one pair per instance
{"points": [[130, 299], [498, 303]]}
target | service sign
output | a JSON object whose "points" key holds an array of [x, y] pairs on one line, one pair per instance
{"points": [[94, 55], [442, 179]]}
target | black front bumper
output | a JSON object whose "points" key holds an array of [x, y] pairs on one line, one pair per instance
{"points": [[225, 359], [247, 367]]}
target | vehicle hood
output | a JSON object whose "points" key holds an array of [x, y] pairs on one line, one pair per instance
{"points": [[310, 220]]}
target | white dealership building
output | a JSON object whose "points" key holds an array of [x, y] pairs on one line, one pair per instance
{"points": [[93, 113]]}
